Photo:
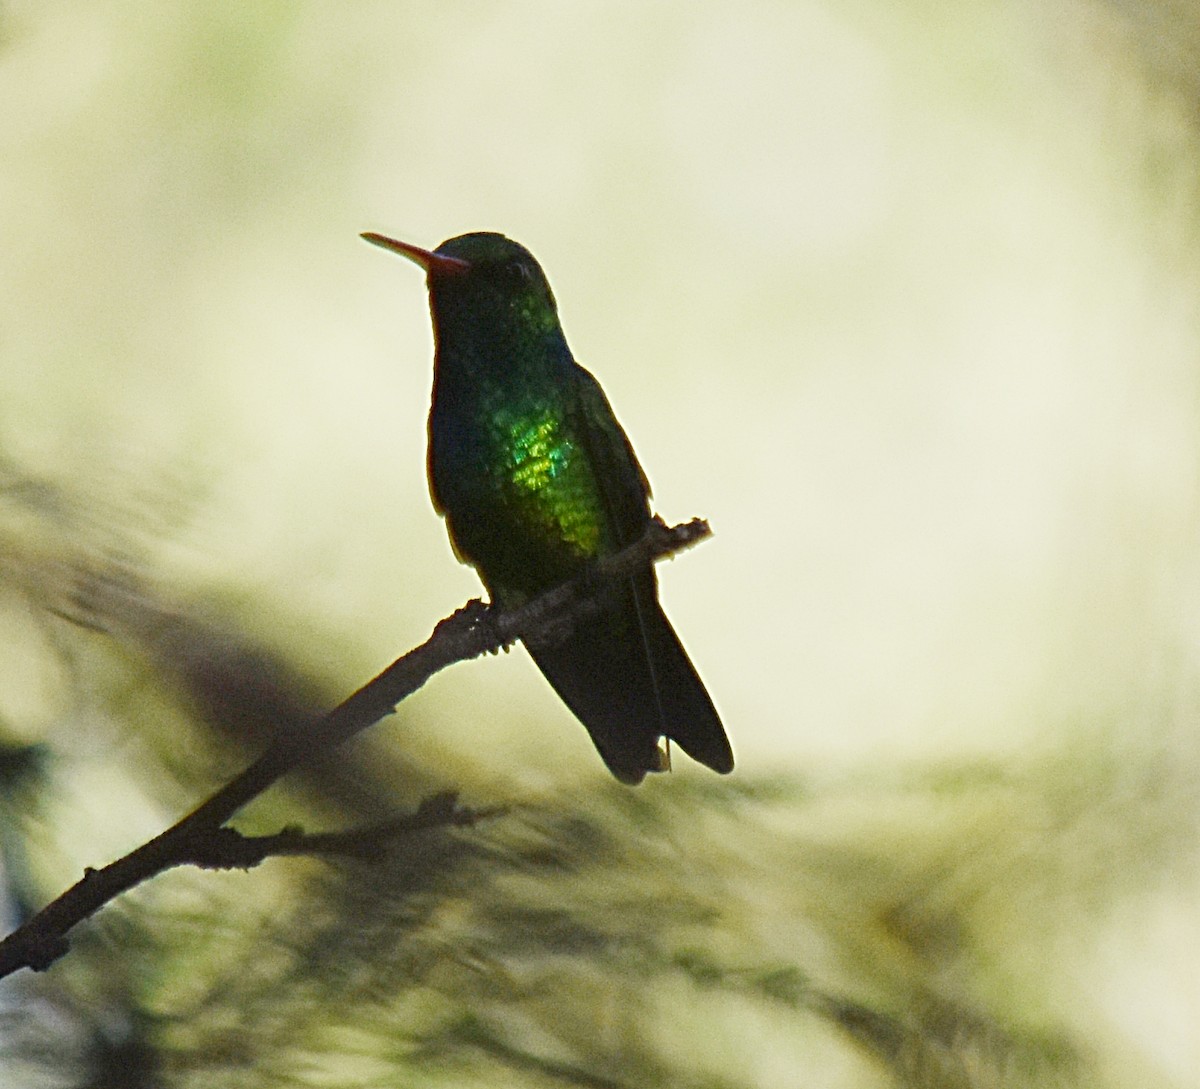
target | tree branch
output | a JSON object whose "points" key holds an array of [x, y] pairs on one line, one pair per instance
{"points": [[199, 838], [228, 849]]}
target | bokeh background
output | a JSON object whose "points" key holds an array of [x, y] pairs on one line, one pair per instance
{"points": [[903, 298]]}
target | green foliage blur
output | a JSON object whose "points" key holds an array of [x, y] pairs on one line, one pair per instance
{"points": [[903, 299]]}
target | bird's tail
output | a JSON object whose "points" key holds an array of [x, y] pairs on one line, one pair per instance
{"points": [[625, 675]]}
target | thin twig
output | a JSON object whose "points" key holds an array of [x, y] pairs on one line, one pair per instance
{"points": [[199, 838], [229, 849]]}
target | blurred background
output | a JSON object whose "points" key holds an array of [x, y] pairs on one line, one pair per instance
{"points": [[902, 298]]}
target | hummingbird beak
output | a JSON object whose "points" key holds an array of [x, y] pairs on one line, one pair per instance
{"points": [[434, 264]]}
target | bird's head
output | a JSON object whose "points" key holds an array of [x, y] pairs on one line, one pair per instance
{"points": [[482, 281]]}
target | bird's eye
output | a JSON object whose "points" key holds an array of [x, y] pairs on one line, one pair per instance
{"points": [[517, 272]]}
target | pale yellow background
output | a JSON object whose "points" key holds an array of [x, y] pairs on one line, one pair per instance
{"points": [[903, 298]]}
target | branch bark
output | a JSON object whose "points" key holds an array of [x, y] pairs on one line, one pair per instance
{"points": [[200, 838]]}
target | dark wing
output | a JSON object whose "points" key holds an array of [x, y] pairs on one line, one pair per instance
{"points": [[623, 483], [623, 671]]}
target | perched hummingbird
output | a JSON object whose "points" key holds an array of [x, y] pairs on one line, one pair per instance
{"points": [[536, 478]]}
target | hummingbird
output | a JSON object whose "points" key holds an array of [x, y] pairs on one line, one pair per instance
{"points": [[536, 479]]}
